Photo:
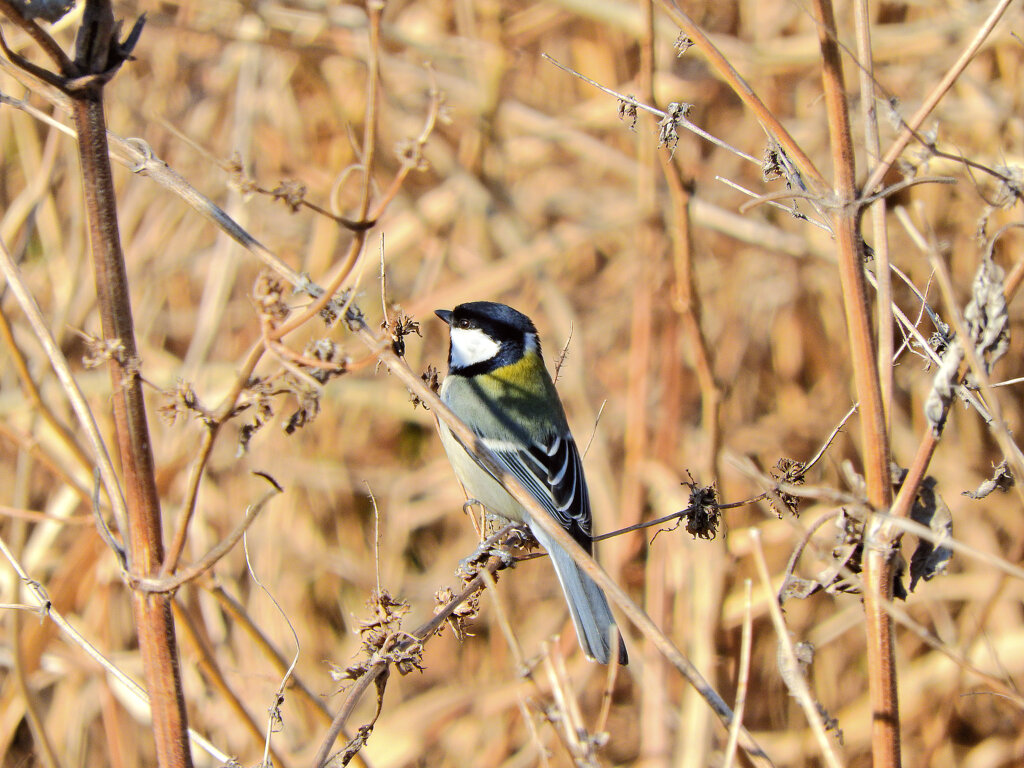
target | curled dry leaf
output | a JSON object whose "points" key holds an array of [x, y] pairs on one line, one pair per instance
{"points": [[1002, 480], [936, 404], [986, 313], [627, 112]]}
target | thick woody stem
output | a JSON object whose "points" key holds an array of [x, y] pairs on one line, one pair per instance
{"points": [[144, 543], [878, 558]]}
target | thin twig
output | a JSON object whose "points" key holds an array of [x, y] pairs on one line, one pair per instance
{"points": [[797, 682], [60, 367], [38, 593], [743, 676], [746, 94], [679, 120], [912, 125], [218, 551], [275, 716]]}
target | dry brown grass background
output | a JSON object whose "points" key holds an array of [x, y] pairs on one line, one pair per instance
{"points": [[537, 194]]}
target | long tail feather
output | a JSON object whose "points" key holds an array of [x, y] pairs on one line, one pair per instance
{"points": [[587, 604]]}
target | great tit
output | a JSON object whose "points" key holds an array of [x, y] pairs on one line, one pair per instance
{"points": [[498, 386]]}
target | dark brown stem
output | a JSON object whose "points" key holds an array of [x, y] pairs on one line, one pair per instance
{"points": [[157, 643]]}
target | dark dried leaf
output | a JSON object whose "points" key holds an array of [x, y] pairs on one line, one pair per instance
{"points": [[930, 559]]}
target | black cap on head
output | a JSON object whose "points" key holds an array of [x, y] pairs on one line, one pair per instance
{"points": [[499, 321], [513, 332]]}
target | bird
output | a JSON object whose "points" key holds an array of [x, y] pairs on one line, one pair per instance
{"points": [[498, 385]]}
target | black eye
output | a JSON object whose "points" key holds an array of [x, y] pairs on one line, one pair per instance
{"points": [[463, 323]]}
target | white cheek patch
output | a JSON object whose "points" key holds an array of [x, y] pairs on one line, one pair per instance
{"points": [[471, 346]]}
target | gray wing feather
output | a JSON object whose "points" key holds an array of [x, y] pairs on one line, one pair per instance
{"points": [[553, 474]]}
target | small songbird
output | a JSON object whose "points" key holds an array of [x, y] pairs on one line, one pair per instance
{"points": [[498, 385]]}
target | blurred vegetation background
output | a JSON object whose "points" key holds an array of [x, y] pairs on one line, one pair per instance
{"points": [[534, 192]]}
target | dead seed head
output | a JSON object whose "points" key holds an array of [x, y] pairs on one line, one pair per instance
{"points": [[465, 612], [401, 326], [100, 351], [410, 153], [703, 516], [241, 180], [668, 128], [1011, 185], [183, 400], [433, 380], [682, 44], [268, 294], [255, 396], [384, 640], [791, 472], [308, 408], [292, 193], [627, 112], [329, 353], [772, 167]]}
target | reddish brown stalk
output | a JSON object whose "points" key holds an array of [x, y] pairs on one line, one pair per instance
{"points": [[97, 55], [686, 301], [155, 625], [742, 89], [911, 126], [880, 238], [878, 560]]}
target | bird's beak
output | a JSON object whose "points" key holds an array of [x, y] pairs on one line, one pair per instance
{"points": [[444, 314]]}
